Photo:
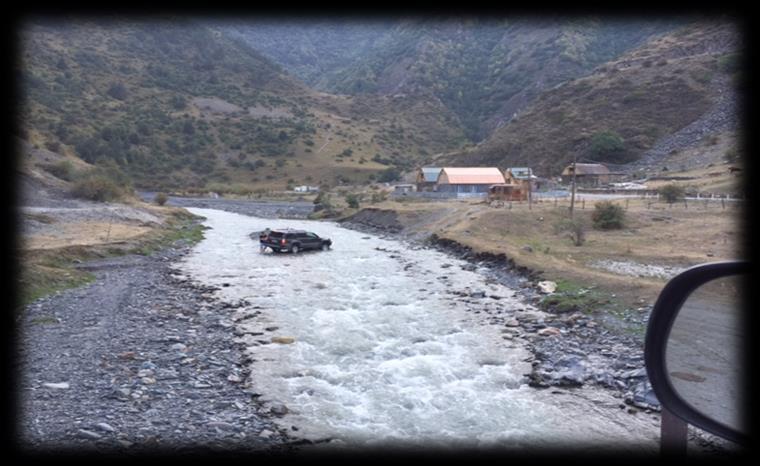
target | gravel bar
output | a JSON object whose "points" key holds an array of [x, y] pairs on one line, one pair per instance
{"points": [[139, 360]]}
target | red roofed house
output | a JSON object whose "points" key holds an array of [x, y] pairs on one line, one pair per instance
{"points": [[468, 179]]}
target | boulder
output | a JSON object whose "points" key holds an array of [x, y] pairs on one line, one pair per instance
{"points": [[547, 286]]}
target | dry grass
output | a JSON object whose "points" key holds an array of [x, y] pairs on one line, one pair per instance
{"points": [[655, 234], [85, 234]]}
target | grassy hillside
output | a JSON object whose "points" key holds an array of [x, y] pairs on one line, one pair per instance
{"points": [[620, 110], [178, 105]]}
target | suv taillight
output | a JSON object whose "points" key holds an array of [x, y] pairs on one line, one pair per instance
{"points": [[282, 241]]}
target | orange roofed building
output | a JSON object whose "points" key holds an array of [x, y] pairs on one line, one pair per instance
{"points": [[468, 179]]}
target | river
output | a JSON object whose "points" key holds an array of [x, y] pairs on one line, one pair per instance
{"points": [[389, 346]]}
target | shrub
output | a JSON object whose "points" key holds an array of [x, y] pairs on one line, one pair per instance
{"points": [[161, 198], [671, 193], [323, 201], [608, 216], [63, 170], [97, 187], [388, 175], [352, 200], [574, 228]]}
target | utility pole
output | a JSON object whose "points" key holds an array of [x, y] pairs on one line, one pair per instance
{"points": [[572, 196], [530, 189]]}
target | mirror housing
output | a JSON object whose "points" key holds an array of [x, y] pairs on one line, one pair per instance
{"points": [[664, 313]]}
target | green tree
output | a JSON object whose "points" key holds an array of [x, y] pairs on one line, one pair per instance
{"points": [[671, 193], [608, 146]]}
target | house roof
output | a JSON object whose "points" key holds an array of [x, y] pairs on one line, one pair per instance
{"points": [[587, 169], [430, 174], [521, 173], [473, 175]]}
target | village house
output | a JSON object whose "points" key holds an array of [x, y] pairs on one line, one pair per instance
{"points": [[403, 188], [462, 180], [427, 178], [508, 192], [306, 189], [587, 174]]}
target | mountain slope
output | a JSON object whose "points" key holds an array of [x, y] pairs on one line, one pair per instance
{"points": [[179, 104], [636, 100], [484, 70]]}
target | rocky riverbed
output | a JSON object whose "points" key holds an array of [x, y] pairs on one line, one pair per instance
{"points": [[139, 360]]}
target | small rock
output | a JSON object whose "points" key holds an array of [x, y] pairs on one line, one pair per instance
{"points": [[88, 434], [527, 248], [105, 427], [178, 347], [266, 433], [547, 286], [234, 378], [57, 385], [512, 323], [222, 425], [279, 409], [283, 340], [549, 331]]}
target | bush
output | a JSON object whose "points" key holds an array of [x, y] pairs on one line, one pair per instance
{"points": [[608, 216], [323, 200], [63, 170], [574, 228], [352, 200], [671, 193], [389, 175], [161, 198], [97, 187]]}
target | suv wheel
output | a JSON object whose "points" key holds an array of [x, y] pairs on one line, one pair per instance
{"points": [[295, 249]]}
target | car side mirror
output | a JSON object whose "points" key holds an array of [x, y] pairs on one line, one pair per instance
{"points": [[693, 352]]}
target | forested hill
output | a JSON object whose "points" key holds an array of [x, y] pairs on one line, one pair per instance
{"points": [[484, 70], [182, 104]]}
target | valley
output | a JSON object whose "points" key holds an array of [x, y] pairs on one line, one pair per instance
{"points": [[148, 152]]}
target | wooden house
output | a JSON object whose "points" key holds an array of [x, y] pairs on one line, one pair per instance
{"points": [[587, 174], [462, 180], [427, 178]]}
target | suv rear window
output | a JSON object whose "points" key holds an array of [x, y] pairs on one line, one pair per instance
{"points": [[275, 234]]}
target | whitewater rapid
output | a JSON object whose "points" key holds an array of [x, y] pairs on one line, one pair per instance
{"points": [[378, 347]]}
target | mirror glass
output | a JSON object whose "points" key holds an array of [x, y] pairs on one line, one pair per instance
{"points": [[704, 351]]}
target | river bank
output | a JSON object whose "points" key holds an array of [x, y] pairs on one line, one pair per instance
{"points": [[138, 361]]}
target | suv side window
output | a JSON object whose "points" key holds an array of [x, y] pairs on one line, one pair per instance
{"points": [[311, 236]]}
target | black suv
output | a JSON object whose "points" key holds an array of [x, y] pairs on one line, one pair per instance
{"points": [[293, 241]]}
